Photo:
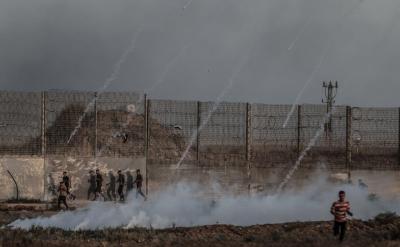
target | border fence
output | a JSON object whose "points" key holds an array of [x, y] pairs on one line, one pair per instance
{"points": [[127, 124]]}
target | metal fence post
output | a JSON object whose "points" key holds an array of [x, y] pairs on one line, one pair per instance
{"points": [[43, 141], [298, 130], [398, 152], [43, 123], [248, 131], [248, 145], [348, 139], [198, 131], [147, 137], [95, 123]]}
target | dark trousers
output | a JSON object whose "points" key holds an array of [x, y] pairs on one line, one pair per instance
{"points": [[339, 228], [62, 199], [111, 193], [121, 192], [91, 190], [139, 192]]}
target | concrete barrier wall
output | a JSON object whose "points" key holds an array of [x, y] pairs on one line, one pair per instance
{"points": [[78, 171], [29, 175], [36, 176]]}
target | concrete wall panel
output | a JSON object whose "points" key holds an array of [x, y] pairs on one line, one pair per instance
{"points": [[29, 175], [78, 170]]}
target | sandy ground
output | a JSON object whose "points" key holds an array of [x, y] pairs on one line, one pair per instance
{"points": [[380, 232]]}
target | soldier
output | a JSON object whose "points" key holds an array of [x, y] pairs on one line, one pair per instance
{"points": [[111, 187], [362, 185], [62, 195], [129, 182], [67, 184], [99, 184], [340, 209], [92, 184], [139, 182], [121, 183]]}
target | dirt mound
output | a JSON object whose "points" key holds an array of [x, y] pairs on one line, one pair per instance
{"points": [[119, 134]]}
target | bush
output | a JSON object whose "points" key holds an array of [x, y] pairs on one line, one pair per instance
{"points": [[386, 218]]}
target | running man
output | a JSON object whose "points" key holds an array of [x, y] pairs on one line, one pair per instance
{"points": [[340, 209], [99, 184], [129, 182], [121, 183], [92, 184], [111, 187], [139, 182], [67, 184], [62, 195]]}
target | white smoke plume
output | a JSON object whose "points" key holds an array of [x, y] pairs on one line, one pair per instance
{"points": [[183, 205]]}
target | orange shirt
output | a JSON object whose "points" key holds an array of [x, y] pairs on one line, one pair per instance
{"points": [[62, 189], [339, 210]]}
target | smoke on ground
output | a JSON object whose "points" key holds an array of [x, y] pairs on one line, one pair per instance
{"points": [[183, 205]]}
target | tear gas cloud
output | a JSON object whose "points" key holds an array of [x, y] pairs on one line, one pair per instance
{"points": [[183, 205]]}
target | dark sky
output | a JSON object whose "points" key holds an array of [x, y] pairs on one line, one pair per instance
{"points": [[76, 44]]}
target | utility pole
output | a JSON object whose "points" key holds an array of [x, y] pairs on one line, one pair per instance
{"points": [[330, 92]]}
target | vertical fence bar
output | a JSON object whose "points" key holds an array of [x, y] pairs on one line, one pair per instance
{"points": [[147, 137], [95, 125], [348, 139], [248, 145], [198, 132], [43, 141], [145, 124], [248, 131], [398, 142], [298, 130], [43, 123]]}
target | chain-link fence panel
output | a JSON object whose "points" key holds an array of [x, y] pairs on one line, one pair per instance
{"points": [[120, 124], [20, 123], [273, 144], [222, 132], [173, 127], [325, 135], [70, 123], [375, 138]]}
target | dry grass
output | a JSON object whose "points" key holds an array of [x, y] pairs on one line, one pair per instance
{"points": [[383, 231]]}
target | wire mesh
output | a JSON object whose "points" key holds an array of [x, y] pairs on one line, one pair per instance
{"points": [[64, 110], [273, 144], [173, 127], [375, 137], [223, 134], [113, 124], [330, 133], [120, 124], [20, 123]]}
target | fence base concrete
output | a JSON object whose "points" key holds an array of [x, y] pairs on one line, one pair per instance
{"points": [[38, 178], [78, 171], [28, 173], [35, 176]]}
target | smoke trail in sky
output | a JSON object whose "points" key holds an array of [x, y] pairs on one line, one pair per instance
{"points": [[114, 75], [305, 151], [213, 109], [296, 101], [187, 4], [302, 30]]}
